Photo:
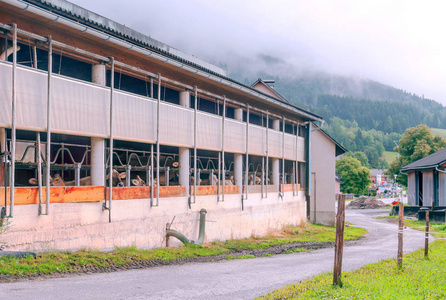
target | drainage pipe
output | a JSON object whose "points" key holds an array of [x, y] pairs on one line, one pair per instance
{"points": [[183, 238]]}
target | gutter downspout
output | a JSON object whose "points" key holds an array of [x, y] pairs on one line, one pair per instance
{"points": [[182, 237]]}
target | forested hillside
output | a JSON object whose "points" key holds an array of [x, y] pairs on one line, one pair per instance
{"points": [[363, 115]]}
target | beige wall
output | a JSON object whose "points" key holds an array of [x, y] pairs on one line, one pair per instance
{"points": [[134, 222], [323, 151]]}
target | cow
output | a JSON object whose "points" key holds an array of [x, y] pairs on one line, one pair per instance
{"points": [[85, 181], [192, 180], [215, 181], [173, 177], [251, 181], [138, 181]]}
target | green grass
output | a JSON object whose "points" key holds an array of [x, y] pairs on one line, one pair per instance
{"points": [[420, 278], [239, 257], [68, 261], [389, 156], [439, 131]]}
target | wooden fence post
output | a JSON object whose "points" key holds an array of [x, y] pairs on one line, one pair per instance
{"points": [[339, 244], [400, 235], [426, 240]]}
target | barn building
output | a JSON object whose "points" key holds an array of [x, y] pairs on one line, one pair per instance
{"points": [[83, 97]]}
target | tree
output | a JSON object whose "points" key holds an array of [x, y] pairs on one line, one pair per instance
{"points": [[416, 143], [355, 177], [359, 156]]}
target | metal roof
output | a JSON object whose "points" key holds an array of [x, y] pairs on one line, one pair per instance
{"points": [[429, 162], [81, 15]]}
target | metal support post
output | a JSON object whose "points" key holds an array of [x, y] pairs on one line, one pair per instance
{"points": [[48, 124], [223, 173], [218, 180], [247, 154], [167, 175], [283, 157], [267, 154], [195, 146], [148, 182], [77, 174], [13, 104], [158, 141], [152, 181], [263, 176], [39, 173], [110, 173], [128, 169]]}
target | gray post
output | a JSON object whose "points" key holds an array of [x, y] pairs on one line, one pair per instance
{"points": [[128, 169], [48, 124], [158, 141], [267, 154], [110, 179], [184, 153], [77, 174], [238, 157], [195, 143], [13, 132], [97, 174], [247, 153], [97, 161], [283, 157], [223, 148], [39, 173], [275, 161]]}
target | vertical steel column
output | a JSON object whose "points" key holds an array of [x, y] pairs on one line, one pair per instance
{"points": [[39, 173], [128, 169], [151, 175], [263, 176], [13, 132], [35, 57], [247, 153], [223, 173], [77, 174], [283, 157], [48, 124], [295, 161], [151, 87], [158, 143], [267, 155], [195, 144], [218, 174], [110, 172]]}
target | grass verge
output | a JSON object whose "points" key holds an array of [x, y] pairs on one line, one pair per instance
{"points": [[420, 278], [69, 261]]}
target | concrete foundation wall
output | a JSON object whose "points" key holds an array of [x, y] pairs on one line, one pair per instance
{"points": [[135, 223]]}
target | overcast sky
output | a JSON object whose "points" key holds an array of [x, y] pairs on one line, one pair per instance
{"points": [[401, 43]]}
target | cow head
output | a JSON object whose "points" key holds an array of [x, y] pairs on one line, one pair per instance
{"points": [[116, 178], [54, 181], [138, 181]]}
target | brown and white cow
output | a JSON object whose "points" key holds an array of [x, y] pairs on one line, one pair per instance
{"points": [[85, 181]]}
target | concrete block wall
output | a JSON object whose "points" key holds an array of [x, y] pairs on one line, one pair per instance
{"points": [[134, 223]]}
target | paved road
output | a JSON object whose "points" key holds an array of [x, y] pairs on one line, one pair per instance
{"points": [[236, 279]]}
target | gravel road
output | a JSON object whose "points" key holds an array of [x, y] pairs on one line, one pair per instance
{"points": [[235, 279]]}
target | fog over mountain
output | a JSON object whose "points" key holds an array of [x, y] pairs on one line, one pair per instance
{"points": [[398, 43]]}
